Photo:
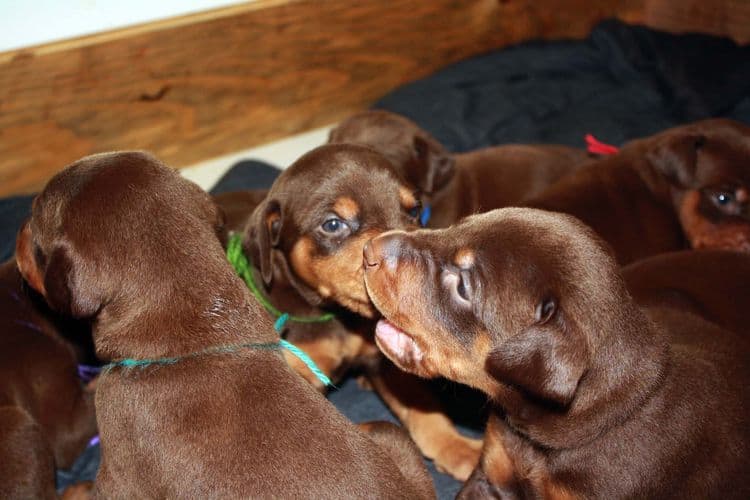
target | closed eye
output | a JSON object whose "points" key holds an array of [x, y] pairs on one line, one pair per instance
{"points": [[459, 286]]}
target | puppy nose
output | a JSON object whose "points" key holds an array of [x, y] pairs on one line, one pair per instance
{"points": [[382, 249]]}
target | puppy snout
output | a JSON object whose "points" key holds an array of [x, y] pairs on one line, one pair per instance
{"points": [[383, 250]]}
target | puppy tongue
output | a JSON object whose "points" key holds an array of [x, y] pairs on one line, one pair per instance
{"points": [[395, 342]]}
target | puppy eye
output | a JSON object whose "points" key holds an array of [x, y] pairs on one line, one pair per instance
{"points": [[334, 226], [459, 286], [545, 310], [415, 211], [723, 199], [462, 288]]}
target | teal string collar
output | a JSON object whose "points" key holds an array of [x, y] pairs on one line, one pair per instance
{"points": [[224, 349], [243, 268]]}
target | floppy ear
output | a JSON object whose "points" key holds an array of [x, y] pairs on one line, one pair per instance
{"points": [[438, 164], [540, 361], [264, 233], [676, 158], [66, 289]]}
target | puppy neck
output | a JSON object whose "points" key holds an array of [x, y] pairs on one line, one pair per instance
{"points": [[181, 318], [628, 368]]}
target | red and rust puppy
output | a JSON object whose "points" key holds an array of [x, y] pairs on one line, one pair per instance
{"points": [[689, 184], [224, 416], [595, 396], [306, 240], [46, 415], [457, 185], [711, 283]]}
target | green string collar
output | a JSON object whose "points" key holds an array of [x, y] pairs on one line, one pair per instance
{"points": [[243, 268], [224, 349]]}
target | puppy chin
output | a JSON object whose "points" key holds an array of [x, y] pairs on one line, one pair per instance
{"points": [[365, 309]]}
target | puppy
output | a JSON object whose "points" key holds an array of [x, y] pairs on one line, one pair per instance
{"points": [[126, 242], [595, 396], [710, 283], [685, 186], [457, 185], [306, 240], [46, 415], [236, 207]]}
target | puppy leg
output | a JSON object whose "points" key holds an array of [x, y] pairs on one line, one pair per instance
{"points": [[410, 399], [79, 491], [404, 453], [27, 467], [78, 429]]}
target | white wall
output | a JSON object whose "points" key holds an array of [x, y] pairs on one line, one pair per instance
{"points": [[31, 22]]}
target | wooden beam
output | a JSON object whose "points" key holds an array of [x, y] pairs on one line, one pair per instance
{"points": [[209, 84]]}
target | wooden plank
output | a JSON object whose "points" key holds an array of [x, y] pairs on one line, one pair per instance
{"points": [[219, 82], [729, 18]]}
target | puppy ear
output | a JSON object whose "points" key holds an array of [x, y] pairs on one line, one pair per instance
{"points": [[438, 164], [65, 288], [264, 234], [540, 361], [676, 158]]}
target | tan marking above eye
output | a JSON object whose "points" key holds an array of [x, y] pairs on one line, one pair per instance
{"points": [[464, 258], [346, 208], [742, 195], [408, 200]]}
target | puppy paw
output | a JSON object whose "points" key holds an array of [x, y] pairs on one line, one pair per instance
{"points": [[364, 383], [459, 458], [78, 491]]}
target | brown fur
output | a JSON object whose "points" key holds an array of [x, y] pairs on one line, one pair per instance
{"points": [[658, 194], [308, 271], [46, 415], [457, 185], [709, 283], [595, 395], [237, 424]]}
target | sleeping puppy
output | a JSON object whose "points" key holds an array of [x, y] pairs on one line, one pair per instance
{"points": [[46, 414], [594, 396], [214, 410], [685, 186], [306, 240], [710, 283], [457, 185]]}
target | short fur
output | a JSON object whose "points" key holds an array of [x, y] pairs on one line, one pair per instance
{"points": [[126, 242], [594, 395], [308, 271], [457, 185], [46, 414], [686, 186]]}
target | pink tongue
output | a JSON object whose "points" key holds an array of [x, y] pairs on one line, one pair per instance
{"points": [[397, 342]]}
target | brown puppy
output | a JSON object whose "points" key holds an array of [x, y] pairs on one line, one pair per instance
{"points": [[306, 240], [237, 207], [711, 283], [46, 415], [689, 183], [596, 397], [457, 185], [125, 241]]}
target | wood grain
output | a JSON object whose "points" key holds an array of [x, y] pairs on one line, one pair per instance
{"points": [[215, 83], [729, 18]]}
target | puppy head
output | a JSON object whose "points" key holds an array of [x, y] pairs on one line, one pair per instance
{"points": [[707, 165], [417, 156], [104, 231], [514, 302], [317, 217]]}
